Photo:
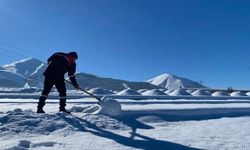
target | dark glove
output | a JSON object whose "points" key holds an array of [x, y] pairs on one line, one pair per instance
{"points": [[77, 87]]}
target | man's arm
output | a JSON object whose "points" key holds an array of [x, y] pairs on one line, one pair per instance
{"points": [[71, 75]]}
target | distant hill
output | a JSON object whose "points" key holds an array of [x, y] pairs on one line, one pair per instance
{"points": [[170, 81]]}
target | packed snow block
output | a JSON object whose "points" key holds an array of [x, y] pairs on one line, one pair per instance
{"points": [[179, 92], [200, 92], [153, 92], [110, 107], [221, 93], [128, 92]]}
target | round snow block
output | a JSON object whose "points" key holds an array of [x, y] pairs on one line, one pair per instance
{"points": [[110, 107]]}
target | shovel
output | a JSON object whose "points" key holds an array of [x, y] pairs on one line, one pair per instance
{"points": [[108, 106]]}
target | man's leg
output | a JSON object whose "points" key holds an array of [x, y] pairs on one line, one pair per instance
{"points": [[61, 88], [48, 84]]}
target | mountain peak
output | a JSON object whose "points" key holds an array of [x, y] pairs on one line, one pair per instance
{"points": [[170, 81], [25, 66]]}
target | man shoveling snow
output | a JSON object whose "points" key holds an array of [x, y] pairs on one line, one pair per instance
{"points": [[58, 64]]}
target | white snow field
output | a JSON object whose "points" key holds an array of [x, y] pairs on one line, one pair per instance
{"points": [[143, 124]]}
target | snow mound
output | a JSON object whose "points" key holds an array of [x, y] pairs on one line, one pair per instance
{"points": [[238, 93], [248, 93], [200, 92], [153, 92], [190, 91], [220, 93], [100, 91], [142, 90], [28, 122], [19, 121], [179, 92], [168, 92], [128, 92]]}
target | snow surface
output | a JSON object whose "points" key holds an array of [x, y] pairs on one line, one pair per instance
{"points": [[198, 124]]}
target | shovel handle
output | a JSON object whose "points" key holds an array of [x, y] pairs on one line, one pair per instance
{"points": [[90, 94]]}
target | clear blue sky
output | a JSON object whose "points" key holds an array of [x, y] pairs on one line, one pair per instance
{"points": [[206, 40]]}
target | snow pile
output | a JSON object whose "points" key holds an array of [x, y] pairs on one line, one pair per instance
{"points": [[248, 93], [128, 92], [153, 92], [200, 92], [100, 91], [168, 91], [19, 121], [28, 122], [190, 91], [238, 93], [220, 93], [179, 92], [142, 90]]}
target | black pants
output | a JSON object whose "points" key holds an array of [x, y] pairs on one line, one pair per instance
{"points": [[61, 88]]}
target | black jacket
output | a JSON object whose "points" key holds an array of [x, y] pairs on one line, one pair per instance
{"points": [[58, 65]]}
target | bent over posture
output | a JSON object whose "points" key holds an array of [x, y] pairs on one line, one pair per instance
{"points": [[58, 64]]}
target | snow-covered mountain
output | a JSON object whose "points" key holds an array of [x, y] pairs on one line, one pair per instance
{"points": [[11, 79], [30, 72], [171, 81], [26, 67]]}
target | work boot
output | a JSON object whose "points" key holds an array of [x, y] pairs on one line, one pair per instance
{"points": [[41, 103], [64, 110], [40, 110]]}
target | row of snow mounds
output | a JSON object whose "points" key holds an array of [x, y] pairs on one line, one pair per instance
{"points": [[169, 92], [28, 122]]}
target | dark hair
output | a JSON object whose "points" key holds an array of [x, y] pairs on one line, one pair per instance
{"points": [[73, 54]]}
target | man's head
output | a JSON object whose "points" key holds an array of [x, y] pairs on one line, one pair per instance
{"points": [[73, 54]]}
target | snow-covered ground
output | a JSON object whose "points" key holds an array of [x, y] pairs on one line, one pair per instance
{"points": [[143, 124]]}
